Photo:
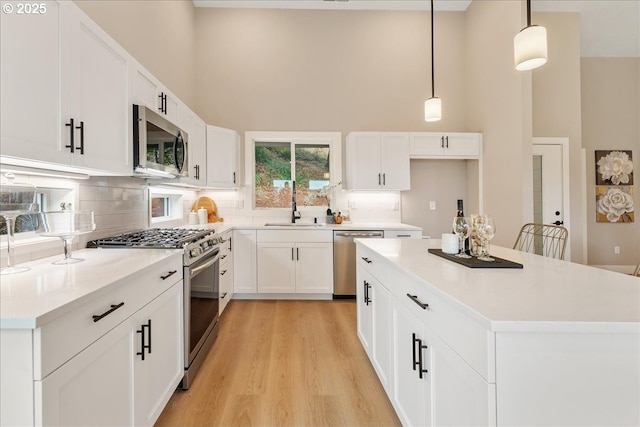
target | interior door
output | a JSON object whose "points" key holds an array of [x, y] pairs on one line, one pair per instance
{"points": [[551, 182]]}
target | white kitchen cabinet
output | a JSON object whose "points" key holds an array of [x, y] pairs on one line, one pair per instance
{"points": [[244, 262], [456, 145], [148, 91], [85, 366], [377, 161], [195, 128], [226, 270], [30, 75], [223, 157], [79, 93], [403, 234], [402, 327], [95, 387], [158, 365], [411, 378], [298, 262]]}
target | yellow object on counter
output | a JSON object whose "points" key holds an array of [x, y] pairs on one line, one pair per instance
{"points": [[210, 206]]}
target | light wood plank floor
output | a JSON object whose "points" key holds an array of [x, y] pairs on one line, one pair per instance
{"points": [[284, 363]]}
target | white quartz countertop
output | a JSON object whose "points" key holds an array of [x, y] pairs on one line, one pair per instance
{"points": [[221, 227], [35, 297], [546, 295]]}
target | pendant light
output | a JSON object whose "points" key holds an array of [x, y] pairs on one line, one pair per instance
{"points": [[530, 45], [433, 105]]}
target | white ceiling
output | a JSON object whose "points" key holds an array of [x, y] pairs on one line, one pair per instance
{"points": [[607, 27]]}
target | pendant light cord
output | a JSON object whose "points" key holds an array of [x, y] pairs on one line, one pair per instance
{"points": [[528, 13], [433, 90]]}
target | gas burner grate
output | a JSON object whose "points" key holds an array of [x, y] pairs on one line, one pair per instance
{"points": [[152, 238]]}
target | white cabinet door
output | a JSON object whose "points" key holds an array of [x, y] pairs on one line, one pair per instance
{"points": [[158, 366], [30, 85], [276, 268], [394, 156], [429, 145], [461, 396], [95, 82], [411, 387], [93, 388], [198, 151], [364, 308], [382, 332], [244, 261], [363, 161], [223, 157], [314, 268]]}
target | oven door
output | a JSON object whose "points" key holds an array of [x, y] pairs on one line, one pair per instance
{"points": [[202, 290]]}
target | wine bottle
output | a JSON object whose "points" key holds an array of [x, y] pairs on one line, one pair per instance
{"points": [[460, 213]]}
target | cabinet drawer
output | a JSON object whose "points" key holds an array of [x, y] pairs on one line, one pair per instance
{"points": [[371, 262], [64, 337], [469, 339], [157, 278]]}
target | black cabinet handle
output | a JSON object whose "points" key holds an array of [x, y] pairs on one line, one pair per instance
{"points": [[297, 254], [413, 345], [384, 179], [163, 102], [169, 274], [447, 139], [223, 272], [144, 346], [367, 260], [222, 257], [417, 355], [379, 175], [442, 142], [367, 286], [81, 127], [71, 145], [197, 172], [113, 308], [224, 295], [234, 177], [415, 299], [292, 258], [421, 369]]}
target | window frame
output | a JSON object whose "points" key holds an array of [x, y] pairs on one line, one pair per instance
{"points": [[332, 139]]}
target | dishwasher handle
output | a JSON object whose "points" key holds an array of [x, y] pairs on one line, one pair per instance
{"points": [[360, 234]]}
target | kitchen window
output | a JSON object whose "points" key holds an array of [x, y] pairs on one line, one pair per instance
{"points": [[311, 159]]}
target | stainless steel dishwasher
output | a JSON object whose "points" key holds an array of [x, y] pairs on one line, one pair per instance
{"points": [[344, 260]]}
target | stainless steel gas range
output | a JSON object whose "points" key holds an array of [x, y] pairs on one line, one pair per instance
{"points": [[201, 283]]}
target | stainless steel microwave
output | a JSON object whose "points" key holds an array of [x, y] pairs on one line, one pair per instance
{"points": [[159, 146]]}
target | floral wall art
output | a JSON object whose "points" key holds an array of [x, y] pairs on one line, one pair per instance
{"points": [[614, 186]]}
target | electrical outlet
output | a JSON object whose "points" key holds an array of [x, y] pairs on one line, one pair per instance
{"points": [[432, 205], [616, 250]]}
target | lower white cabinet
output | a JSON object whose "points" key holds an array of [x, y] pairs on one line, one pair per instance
{"points": [[158, 366], [244, 262], [427, 382], [288, 267], [95, 387], [226, 271], [114, 359], [295, 261]]}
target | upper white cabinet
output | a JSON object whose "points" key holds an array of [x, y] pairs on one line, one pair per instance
{"points": [[196, 131], [377, 161], [223, 157], [62, 70], [432, 145], [148, 91]]}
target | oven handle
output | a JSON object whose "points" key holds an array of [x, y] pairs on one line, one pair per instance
{"points": [[198, 269]]}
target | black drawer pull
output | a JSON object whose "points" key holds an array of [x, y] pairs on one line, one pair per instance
{"points": [[223, 272], [415, 299], [367, 260], [224, 295], [169, 274], [113, 308]]}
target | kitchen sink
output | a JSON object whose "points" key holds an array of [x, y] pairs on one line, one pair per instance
{"points": [[290, 224]]}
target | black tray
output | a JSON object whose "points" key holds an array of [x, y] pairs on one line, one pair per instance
{"points": [[474, 262]]}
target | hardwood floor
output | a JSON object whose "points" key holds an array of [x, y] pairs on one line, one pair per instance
{"points": [[284, 363]]}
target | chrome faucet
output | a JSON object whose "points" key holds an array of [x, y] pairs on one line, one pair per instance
{"points": [[294, 210]]}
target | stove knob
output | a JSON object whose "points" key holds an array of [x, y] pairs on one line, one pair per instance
{"points": [[195, 252]]}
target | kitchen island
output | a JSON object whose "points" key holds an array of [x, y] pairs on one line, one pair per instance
{"points": [[553, 343]]}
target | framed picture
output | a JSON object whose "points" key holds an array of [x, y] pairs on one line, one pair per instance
{"points": [[614, 167], [614, 204]]}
